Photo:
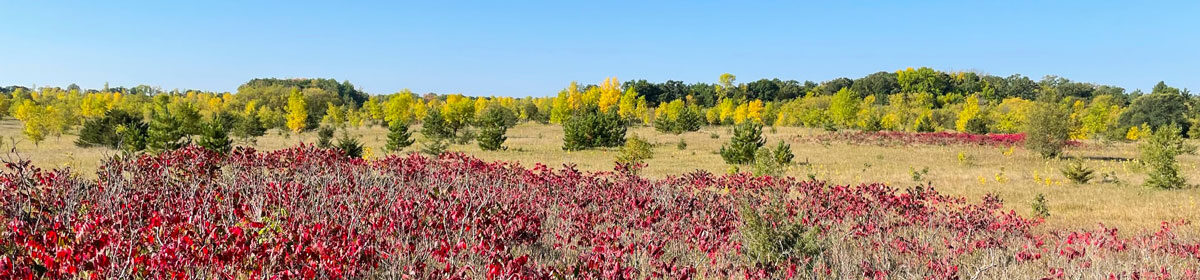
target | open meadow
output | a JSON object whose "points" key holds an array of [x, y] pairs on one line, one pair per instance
{"points": [[1015, 175]]}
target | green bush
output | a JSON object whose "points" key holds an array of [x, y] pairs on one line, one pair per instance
{"points": [[690, 119], [1159, 152], [1039, 206], [771, 242], [635, 151], [747, 138], [783, 153], [1047, 129], [249, 127], [591, 129], [682, 145], [398, 136]]}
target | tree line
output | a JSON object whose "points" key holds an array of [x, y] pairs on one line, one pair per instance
{"points": [[910, 99]]}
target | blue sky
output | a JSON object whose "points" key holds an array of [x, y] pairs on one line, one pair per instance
{"points": [[522, 48]]}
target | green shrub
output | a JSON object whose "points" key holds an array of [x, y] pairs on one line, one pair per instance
{"points": [[783, 153], [682, 145], [771, 242], [747, 138], [918, 176], [714, 135], [1077, 172], [1159, 152], [591, 129], [635, 151], [398, 136], [350, 145], [325, 137], [1047, 129], [1039, 206]]}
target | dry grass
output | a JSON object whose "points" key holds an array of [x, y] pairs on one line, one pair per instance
{"points": [[1011, 176]]}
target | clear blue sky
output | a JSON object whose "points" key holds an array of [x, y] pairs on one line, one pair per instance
{"points": [[524, 48]]}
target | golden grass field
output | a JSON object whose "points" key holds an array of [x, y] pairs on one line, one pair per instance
{"points": [[1010, 174]]}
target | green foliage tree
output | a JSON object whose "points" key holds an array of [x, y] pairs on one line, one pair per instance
{"points": [[591, 129], [1159, 152], [1157, 109], [843, 108], [747, 138], [249, 127]]}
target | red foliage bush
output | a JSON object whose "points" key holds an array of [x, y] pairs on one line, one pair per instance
{"points": [[310, 213], [899, 138]]}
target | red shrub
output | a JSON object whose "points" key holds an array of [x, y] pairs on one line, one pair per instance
{"points": [[311, 213]]}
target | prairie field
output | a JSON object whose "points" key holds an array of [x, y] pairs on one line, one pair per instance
{"points": [[1015, 175]]}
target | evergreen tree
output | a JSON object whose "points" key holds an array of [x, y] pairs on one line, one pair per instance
{"points": [[249, 127], [164, 132], [398, 136], [591, 129], [434, 126], [492, 127], [747, 138], [215, 138], [325, 137], [350, 145]]}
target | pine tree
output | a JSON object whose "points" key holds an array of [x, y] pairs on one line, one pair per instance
{"points": [[350, 145], [434, 126], [325, 137], [215, 138], [747, 138], [164, 132], [492, 128], [398, 136]]}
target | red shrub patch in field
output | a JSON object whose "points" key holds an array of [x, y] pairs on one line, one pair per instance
{"points": [[898, 138], [312, 213]]}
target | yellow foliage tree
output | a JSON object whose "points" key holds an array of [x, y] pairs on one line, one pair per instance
{"points": [[297, 111]]}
